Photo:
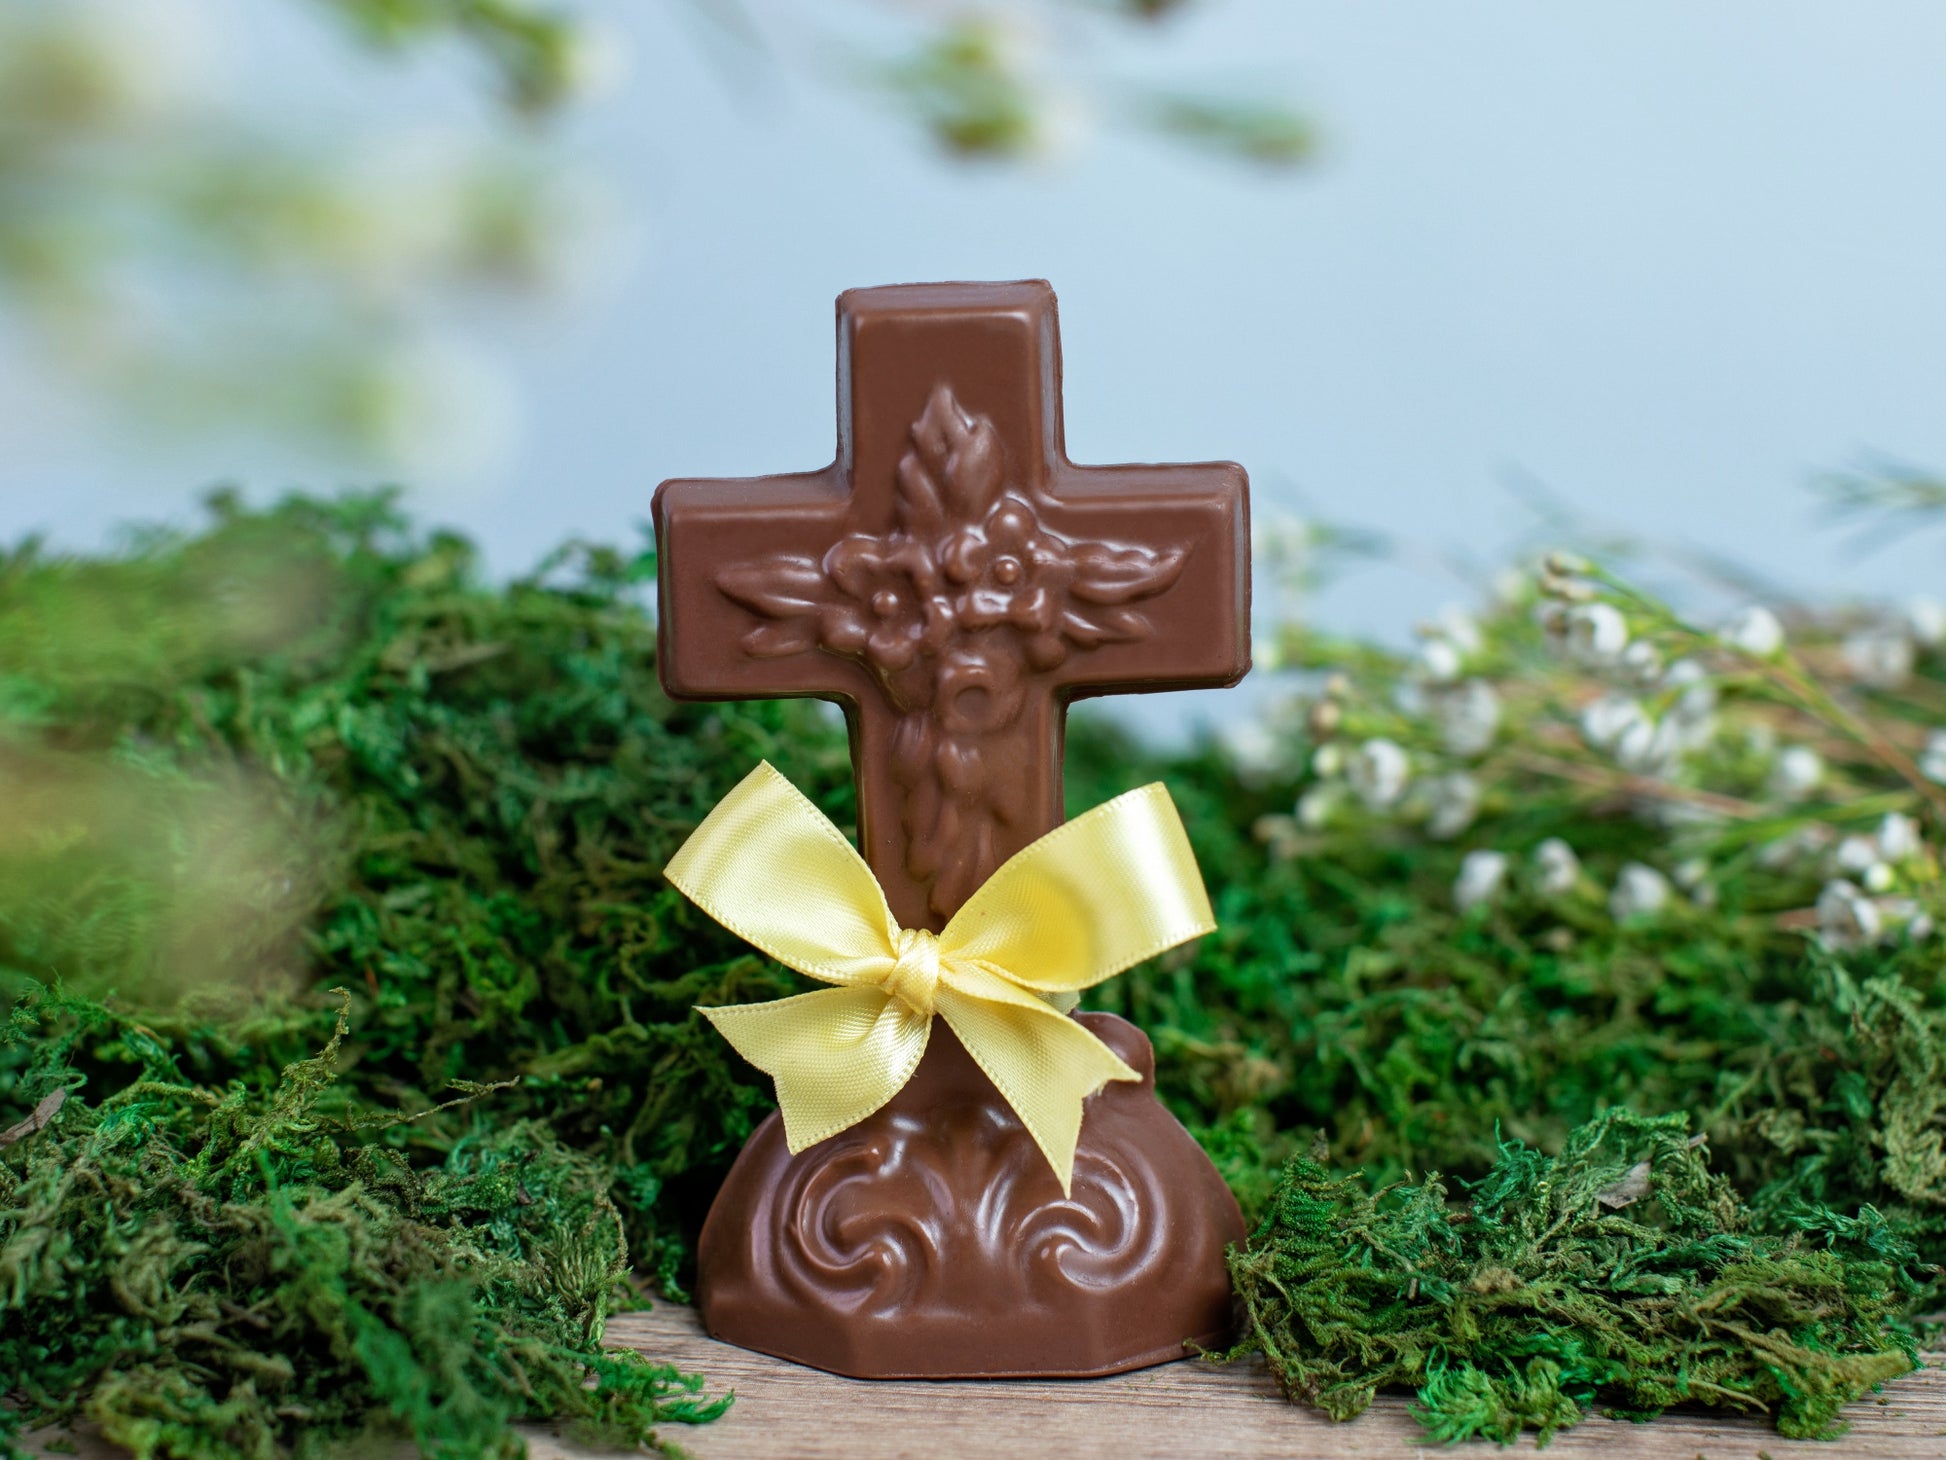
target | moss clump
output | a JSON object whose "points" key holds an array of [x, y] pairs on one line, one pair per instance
{"points": [[1619, 1272], [216, 1273], [310, 748]]}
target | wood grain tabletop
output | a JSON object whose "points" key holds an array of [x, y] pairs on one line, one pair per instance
{"points": [[1190, 1408]]}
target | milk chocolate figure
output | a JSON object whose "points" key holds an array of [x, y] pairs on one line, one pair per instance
{"points": [[953, 582]]}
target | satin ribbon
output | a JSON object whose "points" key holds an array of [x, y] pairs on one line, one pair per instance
{"points": [[1086, 901]]}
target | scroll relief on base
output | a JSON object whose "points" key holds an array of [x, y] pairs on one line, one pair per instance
{"points": [[954, 612]]}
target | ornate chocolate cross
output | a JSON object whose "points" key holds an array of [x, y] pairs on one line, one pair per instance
{"points": [[953, 581]]}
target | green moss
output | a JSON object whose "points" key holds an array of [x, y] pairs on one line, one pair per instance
{"points": [[310, 748], [217, 1273], [1621, 1271]]}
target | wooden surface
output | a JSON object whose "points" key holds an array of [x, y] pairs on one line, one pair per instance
{"points": [[784, 1412], [1184, 1409]]}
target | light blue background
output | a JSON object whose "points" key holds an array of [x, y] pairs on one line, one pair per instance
{"points": [[1670, 259]]}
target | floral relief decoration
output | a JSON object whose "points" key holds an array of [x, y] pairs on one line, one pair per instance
{"points": [[953, 612]]}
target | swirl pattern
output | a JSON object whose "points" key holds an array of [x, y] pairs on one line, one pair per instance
{"points": [[932, 1239]]}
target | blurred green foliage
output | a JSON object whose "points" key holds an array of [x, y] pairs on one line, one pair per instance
{"points": [[193, 242], [311, 748]]}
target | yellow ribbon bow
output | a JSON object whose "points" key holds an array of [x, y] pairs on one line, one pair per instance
{"points": [[1086, 901]]}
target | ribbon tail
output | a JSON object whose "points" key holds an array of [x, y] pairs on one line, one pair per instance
{"points": [[1043, 1063], [837, 1055]]}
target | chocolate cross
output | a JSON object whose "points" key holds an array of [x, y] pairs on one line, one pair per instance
{"points": [[953, 581]]}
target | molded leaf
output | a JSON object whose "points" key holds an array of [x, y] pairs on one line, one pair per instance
{"points": [[776, 640], [960, 453], [781, 586], [1105, 574]]}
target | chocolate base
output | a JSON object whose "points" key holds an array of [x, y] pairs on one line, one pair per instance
{"points": [[931, 1241]]}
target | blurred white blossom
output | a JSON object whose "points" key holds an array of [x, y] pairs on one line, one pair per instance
{"points": [[1898, 837], [1608, 719], [1253, 749], [1846, 917], [1854, 854], [1932, 760], [1880, 656], [1798, 845], [1755, 631], [1439, 660], [1692, 717], [1328, 760], [1596, 632], [1468, 715], [1318, 805], [1925, 617], [1556, 868], [1481, 876], [1459, 627], [1641, 662], [1647, 749], [1693, 877], [1452, 801], [1796, 773], [1639, 891], [1378, 772]]}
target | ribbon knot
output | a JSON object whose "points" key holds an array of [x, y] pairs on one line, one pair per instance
{"points": [[1086, 901], [914, 974]]}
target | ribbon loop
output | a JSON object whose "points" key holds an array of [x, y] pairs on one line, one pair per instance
{"points": [[1081, 904]]}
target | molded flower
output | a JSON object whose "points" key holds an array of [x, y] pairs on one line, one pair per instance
{"points": [[891, 606], [1010, 572]]}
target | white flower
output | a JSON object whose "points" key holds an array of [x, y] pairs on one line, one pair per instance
{"points": [[1880, 656], [1898, 837], [1556, 868], [1932, 760], [1693, 877], [1468, 715], [1755, 631], [1642, 662], [1439, 660], [1597, 633], [1920, 928], [1846, 917], [1480, 878], [1878, 878], [1796, 773], [1692, 718], [1648, 749], [1608, 719], [1378, 773], [1453, 801], [1316, 806], [1795, 846], [1254, 751], [1456, 624], [1926, 618], [1328, 760], [1639, 891], [1855, 854]]}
